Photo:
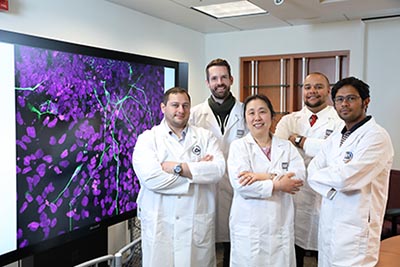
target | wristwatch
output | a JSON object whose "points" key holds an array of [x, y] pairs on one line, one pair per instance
{"points": [[178, 169], [298, 140]]}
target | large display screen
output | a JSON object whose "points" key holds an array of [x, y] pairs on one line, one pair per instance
{"points": [[70, 116]]}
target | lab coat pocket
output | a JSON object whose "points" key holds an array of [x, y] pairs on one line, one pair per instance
{"points": [[155, 228], [203, 230], [347, 241]]}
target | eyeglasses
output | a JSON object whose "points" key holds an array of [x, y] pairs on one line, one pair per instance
{"points": [[348, 98]]}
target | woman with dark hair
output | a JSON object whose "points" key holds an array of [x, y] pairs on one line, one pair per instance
{"points": [[265, 172]]}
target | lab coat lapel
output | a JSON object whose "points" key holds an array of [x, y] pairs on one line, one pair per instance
{"points": [[211, 121], [233, 117], [277, 153]]}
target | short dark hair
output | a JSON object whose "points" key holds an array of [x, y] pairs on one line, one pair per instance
{"points": [[261, 97], [218, 62], [362, 87], [175, 90]]}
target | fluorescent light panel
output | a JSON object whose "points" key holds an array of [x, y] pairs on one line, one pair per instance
{"points": [[231, 9]]}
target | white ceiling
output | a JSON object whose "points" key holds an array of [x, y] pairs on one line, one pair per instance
{"points": [[290, 13]]}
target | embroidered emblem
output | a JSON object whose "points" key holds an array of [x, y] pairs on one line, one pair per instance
{"points": [[196, 150], [328, 133], [348, 157], [239, 133], [285, 166]]}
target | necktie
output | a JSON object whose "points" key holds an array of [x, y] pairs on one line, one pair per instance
{"points": [[313, 119]]}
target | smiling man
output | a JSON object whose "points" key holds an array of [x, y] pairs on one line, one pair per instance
{"points": [[178, 166], [351, 173], [222, 114], [307, 129]]}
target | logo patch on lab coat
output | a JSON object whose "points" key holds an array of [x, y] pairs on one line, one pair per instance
{"points": [[348, 157], [196, 150], [328, 133], [239, 133], [285, 166]]}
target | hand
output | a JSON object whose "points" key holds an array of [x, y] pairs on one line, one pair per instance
{"points": [[207, 157], [292, 138], [247, 178], [288, 184], [168, 166]]}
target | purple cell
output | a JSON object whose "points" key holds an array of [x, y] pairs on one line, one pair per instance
{"points": [[57, 170], [41, 170], [73, 148], [21, 144], [31, 131], [23, 207], [85, 201], [18, 118], [52, 123], [53, 222], [39, 153], [19, 233], [70, 213], [33, 226], [66, 193], [64, 154], [48, 158], [59, 202], [52, 140], [39, 199], [79, 156], [41, 208], [64, 163], [24, 243], [46, 120], [27, 160], [36, 179], [26, 170], [62, 139], [25, 139], [29, 197], [85, 214]]}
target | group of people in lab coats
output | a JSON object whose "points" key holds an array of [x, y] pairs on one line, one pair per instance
{"points": [[216, 173]]}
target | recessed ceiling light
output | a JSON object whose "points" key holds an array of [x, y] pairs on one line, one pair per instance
{"points": [[231, 9]]}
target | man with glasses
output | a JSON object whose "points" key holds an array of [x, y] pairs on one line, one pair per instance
{"points": [[307, 129], [351, 173]]}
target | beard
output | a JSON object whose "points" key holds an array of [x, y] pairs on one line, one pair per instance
{"points": [[220, 94], [314, 105]]}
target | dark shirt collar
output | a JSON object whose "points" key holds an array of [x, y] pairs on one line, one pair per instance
{"points": [[358, 125]]}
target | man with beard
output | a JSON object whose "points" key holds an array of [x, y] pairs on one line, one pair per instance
{"points": [[222, 114], [351, 173], [178, 166], [307, 129]]}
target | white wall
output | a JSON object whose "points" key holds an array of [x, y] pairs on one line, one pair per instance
{"points": [[382, 73]]}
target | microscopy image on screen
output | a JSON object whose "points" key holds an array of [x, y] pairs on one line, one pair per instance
{"points": [[77, 121]]}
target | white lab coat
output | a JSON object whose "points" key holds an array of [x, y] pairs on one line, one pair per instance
{"points": [[350, 224], [177, 214], [261, 221], [307, 202], [202, 116]]}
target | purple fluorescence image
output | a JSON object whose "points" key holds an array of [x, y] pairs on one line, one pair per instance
{"points": [[78, 118]]}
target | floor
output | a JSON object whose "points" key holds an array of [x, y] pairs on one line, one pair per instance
{"points": [[308, 261]]}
